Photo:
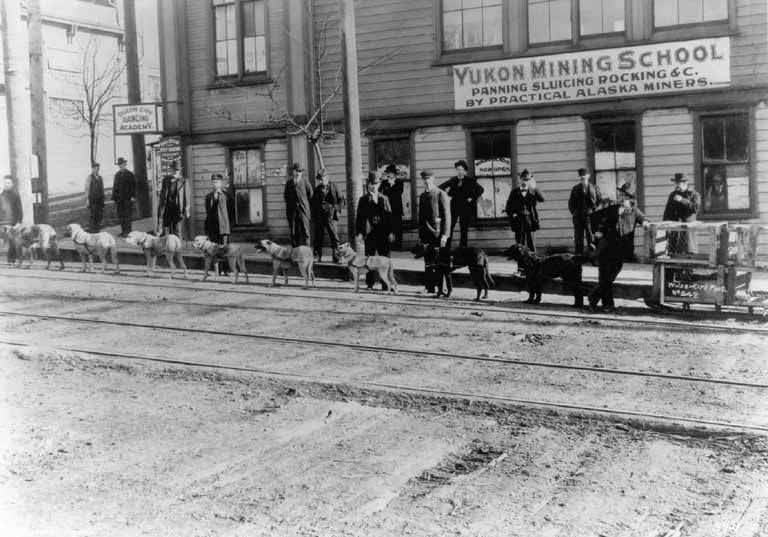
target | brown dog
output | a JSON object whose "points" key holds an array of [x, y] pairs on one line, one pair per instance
{"points": [[359, 263], [232, 252], [167, 245], [21, 240], [89, 245], [283, 257]]}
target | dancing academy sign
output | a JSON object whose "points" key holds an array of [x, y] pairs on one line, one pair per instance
{"points": [[135, 118], [598, 74]]}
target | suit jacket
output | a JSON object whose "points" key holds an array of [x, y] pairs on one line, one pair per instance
{"points": [[434, 215], [581, 203], [123, 187], [461, 194], [394, 193], [684, 210], [297, 196], [11, 212], [373, 217], [521, 210], [94, 189], [326, 202], [172, 201]]}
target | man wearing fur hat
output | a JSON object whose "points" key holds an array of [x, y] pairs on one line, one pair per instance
{"points": [[682, 206]]}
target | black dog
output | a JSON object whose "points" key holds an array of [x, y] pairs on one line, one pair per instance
{"points": [[440, 262], [536, 270]]}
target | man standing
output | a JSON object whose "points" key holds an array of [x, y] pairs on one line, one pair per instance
{"points": [[373, 224], [392, 187], [326, 204], [682, 206], [123, 192], [297, 194], [581, 204], [219, 211], [172, 202], [94, 197], [11, 212], [464, 192], [434, 220], [521, 210]]}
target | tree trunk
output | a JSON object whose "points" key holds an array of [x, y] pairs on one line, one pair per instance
{"points": [[92, 140]]}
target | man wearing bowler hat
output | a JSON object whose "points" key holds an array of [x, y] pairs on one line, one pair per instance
{"points": [[298, 193], [682, 206], [581, 204], [123, 192], [521, 210], [373, 224]]}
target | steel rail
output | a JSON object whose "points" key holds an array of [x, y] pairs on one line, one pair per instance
{"points": [[387, 350], [428, 303], [331, 381]]}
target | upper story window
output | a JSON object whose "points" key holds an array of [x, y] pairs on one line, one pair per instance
{"points": [[472, 24], [601, 16], [677, 12], [549, 20], [240, 34]]}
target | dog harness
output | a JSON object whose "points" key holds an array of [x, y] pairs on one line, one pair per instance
{"points": [[83, 244]]}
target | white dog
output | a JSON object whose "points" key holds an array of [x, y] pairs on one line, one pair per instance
{"points": [[93, 244], [283, 257], [232, 252], [153, 246]]}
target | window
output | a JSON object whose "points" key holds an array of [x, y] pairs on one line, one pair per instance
{"points": [[492, 153], [549, 20], [472, 24], [615, 156], [725, 163], [248, 182], [601, 16], [240, 34], [676, 12], [396, 151]]}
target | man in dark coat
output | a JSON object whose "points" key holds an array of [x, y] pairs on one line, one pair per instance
{"points": [[373, 224], [123, 192], [172, 202], [392, 187], [11, 212], [521, 210], [682, 206], [629, 218], [464, 192], [581, 204], [219, 211], [608, 255], [94, 197], [434, 221], [326, 204], [297, 194]]}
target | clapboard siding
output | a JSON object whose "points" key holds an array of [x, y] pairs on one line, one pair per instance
{"points": [[761, 170], [437, 149], [667, 148], [554, 171], [749, 54], [204, 160]]}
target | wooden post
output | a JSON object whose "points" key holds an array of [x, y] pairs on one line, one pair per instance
{"points": [[352, 150], [37, 93], [17, 101], [134, 97]]}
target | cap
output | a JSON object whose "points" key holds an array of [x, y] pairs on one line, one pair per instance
{"points": [[582, 172], [121, 160], [427, 173], [391, 169], [679, 178], [372, 178], [525, 174], [462, 163], [95, 165], [215, 176], [321, 173], [626, 191], [297, 167]]}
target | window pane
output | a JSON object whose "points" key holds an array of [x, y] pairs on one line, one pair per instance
{"points": [[492, 2], [452, 30], [483, 145], [737, 181], [249, 49], [260, 18], [469, 4], [492, 23], [256, 207], [502, 188], [473, 28], [606, 183], [502, 149], [221, 58], [242, 207], [221, 27], [613, 16], [665, 12], [232, 57], [230, 22], [560, 20], [590, 17], [712, 133], [690, 11], [254, 166], [249, 20], [715, 10], [538, 22], [737, 138], [239, 168], [451, 5], [485, 203]]}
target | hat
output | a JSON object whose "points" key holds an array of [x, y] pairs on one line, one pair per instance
{"points": [[121, 160], [427, 173], [462, 163], [372, 178], [95, 165], [215, 176], [391, 169], [626, 192], [297, 167], [525, 174], [679, 178], [582, 172], [321, 173]]}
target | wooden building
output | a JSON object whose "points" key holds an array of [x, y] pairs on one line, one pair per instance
{"points": [[635, 90]]}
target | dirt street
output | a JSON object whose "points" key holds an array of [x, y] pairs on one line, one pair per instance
{"points": [[101, 446]]}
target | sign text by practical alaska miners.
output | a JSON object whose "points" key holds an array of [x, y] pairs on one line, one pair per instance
{"points": [[597, 74]]}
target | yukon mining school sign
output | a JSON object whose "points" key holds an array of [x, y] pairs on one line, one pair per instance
{"points": [[135, 118], [598, 74]]}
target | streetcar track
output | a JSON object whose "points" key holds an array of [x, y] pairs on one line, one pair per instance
{"points": [[424, 390], [425, 302], [389, 350]]}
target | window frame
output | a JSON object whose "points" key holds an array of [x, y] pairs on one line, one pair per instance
{"points": [[559, 42], [241, 77], [698, 148], [730, 10], [399, 135], [509, 128], [473, 53], [261, 147], [629, 118], [581, 36]]}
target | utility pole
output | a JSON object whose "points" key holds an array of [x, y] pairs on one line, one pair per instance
{"points": [[352, 150], [134, 97], [37, 93], [17, 101]]}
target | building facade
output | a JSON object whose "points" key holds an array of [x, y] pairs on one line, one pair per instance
{"points": [[635, 90]]}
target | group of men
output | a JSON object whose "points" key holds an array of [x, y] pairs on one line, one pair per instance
{"points": [[123, 194]]}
